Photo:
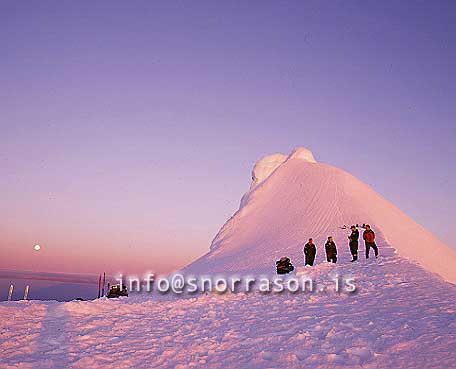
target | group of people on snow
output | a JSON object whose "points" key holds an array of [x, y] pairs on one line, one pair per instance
{"points": [[310, 250]]}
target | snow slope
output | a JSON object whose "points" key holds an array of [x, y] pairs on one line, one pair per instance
{"points": [[401, 317], [296, 198]]}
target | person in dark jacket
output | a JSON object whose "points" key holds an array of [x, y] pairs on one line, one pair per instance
{"points": [[309, 252], [353, 243], [331, 250], [369, 240]]}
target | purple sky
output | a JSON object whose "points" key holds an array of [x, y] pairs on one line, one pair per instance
{"points": [[129, 129]]}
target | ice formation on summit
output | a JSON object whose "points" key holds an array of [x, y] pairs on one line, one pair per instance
{"points": [[302, 153], [264, 167]]}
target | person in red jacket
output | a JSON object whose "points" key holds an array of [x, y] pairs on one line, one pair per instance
{"points": [[369, 240]]}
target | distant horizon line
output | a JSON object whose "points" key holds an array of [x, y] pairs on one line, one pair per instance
{"points": [[49, 276]]}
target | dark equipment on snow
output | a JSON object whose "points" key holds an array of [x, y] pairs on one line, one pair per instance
{"points": [[356, 226], [284, 266], [116, 291]]}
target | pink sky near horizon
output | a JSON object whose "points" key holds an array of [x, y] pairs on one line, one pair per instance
{"points": [[101, 251], [128, 132]]}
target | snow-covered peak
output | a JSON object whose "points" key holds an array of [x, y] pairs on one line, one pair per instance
{"points": [[268, 164], [303, 153], [293, 198]]}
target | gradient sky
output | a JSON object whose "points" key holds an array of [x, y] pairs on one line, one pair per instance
{"points": [[128, 130]]}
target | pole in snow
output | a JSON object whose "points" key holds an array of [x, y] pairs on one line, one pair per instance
{"points": [[26, 292], [10, 293], [99, 285], [104, 280]]}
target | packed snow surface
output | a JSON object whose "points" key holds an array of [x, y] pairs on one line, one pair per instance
{"points": [[400, 317]]}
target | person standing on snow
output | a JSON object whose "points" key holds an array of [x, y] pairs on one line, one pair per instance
{"points": [[309, 252], [331, 250], [369, 240], [353, 244]]}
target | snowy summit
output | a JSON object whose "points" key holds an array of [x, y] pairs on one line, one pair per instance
{"points": [[265, 166], [293, 197]]}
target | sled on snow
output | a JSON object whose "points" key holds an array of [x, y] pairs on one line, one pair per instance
{"points": [[116, 291]]}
